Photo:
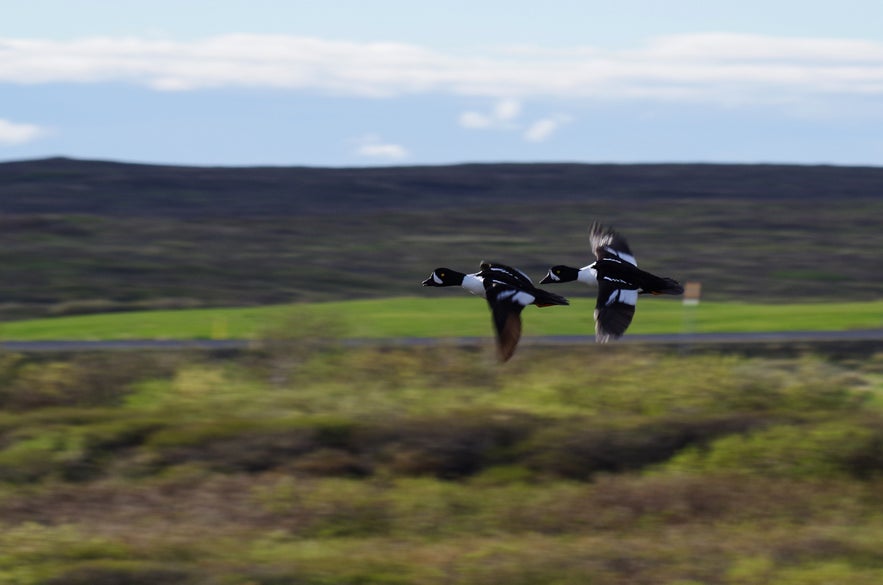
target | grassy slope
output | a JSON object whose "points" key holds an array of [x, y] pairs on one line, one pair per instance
{"points": [[89, 237], [442, 317]]}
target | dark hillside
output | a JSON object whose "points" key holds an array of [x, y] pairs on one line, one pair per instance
{"points": [[62, 185], [80, 236]]}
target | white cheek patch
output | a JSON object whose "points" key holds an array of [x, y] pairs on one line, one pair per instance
{"points": [[436, 279]]}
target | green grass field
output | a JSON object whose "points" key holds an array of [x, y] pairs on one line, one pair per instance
{"points": [[439, 317]]}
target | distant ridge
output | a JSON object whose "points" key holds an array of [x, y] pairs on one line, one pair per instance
{"points": [[64, 185], [80, 236]]}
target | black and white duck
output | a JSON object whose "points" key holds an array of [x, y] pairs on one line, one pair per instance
{"points": [[507, 290], [618, 278]]}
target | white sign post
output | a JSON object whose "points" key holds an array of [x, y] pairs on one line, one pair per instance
{"points": [[692, 290]]}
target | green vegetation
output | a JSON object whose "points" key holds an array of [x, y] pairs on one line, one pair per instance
{"points": [[86, 237], [445, 316], [309, 463], [312, 462]]}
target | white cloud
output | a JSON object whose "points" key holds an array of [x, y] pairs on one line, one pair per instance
{"points": [[507, 110], [388, 151], [13, 133], [544, 128], [475, 120], [720, 68], [501, 115], [373, 147], [504, 116]]}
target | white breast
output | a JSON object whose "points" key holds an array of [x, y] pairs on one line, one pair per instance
{"points": [[474, 284], [588, 275]]}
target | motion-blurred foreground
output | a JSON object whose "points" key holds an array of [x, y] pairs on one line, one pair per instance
{"points": [[312, 463]]}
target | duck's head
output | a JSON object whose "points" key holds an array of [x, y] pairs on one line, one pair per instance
{"points": [[444, 277], [560, 273]]}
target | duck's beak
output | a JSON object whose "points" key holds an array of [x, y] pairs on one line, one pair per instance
{"points": [[549, 278], [429, 281]]}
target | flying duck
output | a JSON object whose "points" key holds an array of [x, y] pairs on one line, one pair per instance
{"points": [[619, 281], [507, 291]]}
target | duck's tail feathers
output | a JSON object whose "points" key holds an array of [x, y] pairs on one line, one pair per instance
{"points": [[667, 286], [547, 299]]}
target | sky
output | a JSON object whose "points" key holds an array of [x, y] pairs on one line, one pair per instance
{"points": [[349, 83]]}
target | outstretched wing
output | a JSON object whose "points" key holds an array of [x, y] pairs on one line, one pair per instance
{"points": [[606, 243], [614, 310], [506, 304], [508, 326]]}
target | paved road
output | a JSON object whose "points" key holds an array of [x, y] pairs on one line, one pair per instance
{"points": [[656, 339]]}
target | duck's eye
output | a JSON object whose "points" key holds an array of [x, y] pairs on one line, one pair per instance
{"points": [[557, 272], [441, 274]]}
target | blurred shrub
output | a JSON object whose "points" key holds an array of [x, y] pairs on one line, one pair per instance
{"points": [[579, 449], [205, 390], [191, 387], [310, 445], [446, 446], [840, 572], [400, 412], [344, 508], [228, 445], [451, 446], [87, 307], [96, 306], [376, 381], [811, 450], [117, 572], [406, 465], [101, 379], [803, 385], [38, 385], [32, 544], [69, 451], [619, 381], [31, 458], [295, 338]]}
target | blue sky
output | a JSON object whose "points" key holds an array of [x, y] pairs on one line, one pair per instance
{"points": [[388, 82]]}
